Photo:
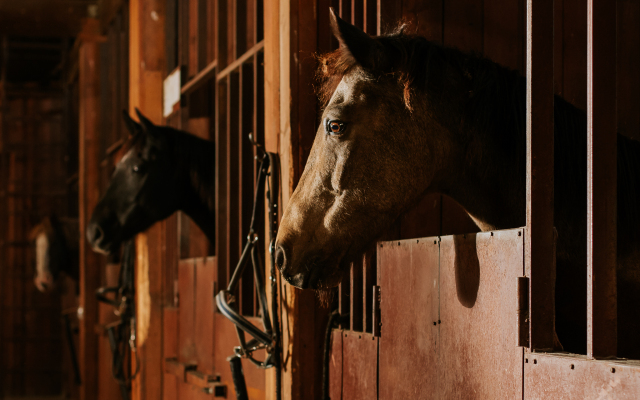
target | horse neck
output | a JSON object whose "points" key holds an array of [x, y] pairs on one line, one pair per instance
{"points": [[484, 138], [196, 171]]}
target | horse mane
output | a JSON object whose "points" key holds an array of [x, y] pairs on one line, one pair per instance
{"points": [[194, 156], [495, 109]]}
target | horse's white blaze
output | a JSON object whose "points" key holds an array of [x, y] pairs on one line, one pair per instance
{"points": [[43, 276]]}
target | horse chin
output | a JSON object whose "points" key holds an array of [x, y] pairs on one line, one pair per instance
{"points": [[317, 281], [103, 249]]}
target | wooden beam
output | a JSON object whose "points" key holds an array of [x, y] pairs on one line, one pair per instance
{"points": [[146, 74], [601, 180], [539, 240], [88, 192]]}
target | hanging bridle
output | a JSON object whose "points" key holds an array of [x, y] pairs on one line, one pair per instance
{"points": [[269, 338], [122, 333]]}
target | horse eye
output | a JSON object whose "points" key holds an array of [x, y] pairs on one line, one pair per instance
{"points": [[335, 127]]}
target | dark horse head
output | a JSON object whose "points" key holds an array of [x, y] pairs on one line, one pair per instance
{"points": [[56, 251], [155, 178]]}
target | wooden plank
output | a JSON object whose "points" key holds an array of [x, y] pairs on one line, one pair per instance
{"points": [[574, 52], [602, 150], [241, 24], [357, 13], [170, 329], [187, 353], [402, 333], [202, 34], [426, 18], [503, 33], [539, 240], [192, 66], [335, 365], [628, 60], [564, 376], [89, 169], [359, 366], [463, 25], [477, 350], [204, 311], [271, 76]]}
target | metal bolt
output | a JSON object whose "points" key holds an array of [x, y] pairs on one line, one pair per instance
{"points": [[519, 233], [439, 321], [613, 370], [435, 242], [526, 360], [572, 366], [359, 336], [398, 243], [434, 322], [491, 233], [535, 361]]}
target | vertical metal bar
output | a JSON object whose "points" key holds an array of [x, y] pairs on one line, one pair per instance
{"points": [[539, 249], [221, 185], [234, 243], [601, 180]]}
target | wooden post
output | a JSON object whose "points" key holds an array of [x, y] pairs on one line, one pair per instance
{"points": [[601, 180], [539, 240], [271, 128], [146, 73], [89, 192], [289, 28]]}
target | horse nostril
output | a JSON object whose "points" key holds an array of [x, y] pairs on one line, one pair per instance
{"points": [[280, 257]]}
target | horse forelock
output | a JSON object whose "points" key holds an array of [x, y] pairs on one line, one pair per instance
{"points": [[406, 57]]}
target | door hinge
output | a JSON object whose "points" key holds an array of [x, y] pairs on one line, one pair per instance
{"points": [[523, 311]]}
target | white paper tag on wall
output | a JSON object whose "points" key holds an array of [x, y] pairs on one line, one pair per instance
{"points": [[172, 85]]}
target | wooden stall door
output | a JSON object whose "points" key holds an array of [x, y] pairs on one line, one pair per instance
{"points": [[448, 308]]}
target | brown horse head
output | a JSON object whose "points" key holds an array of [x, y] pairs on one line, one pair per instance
{"points": [[369, 161]]}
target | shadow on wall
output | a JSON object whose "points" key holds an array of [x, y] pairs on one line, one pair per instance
{"points": [[467, 269]]}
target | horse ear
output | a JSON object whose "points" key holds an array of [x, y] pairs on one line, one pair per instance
{"points": [[367, 52], [146, 124], [134, 127]]}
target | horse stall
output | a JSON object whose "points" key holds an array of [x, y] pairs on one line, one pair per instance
{"points": [[439, 310], [433, 309]]}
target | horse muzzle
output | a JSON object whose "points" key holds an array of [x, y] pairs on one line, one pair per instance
{"points": [[307, 272]]}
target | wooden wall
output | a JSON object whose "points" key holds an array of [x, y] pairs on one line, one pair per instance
{"points": [[294, 32], [34, 166]]}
